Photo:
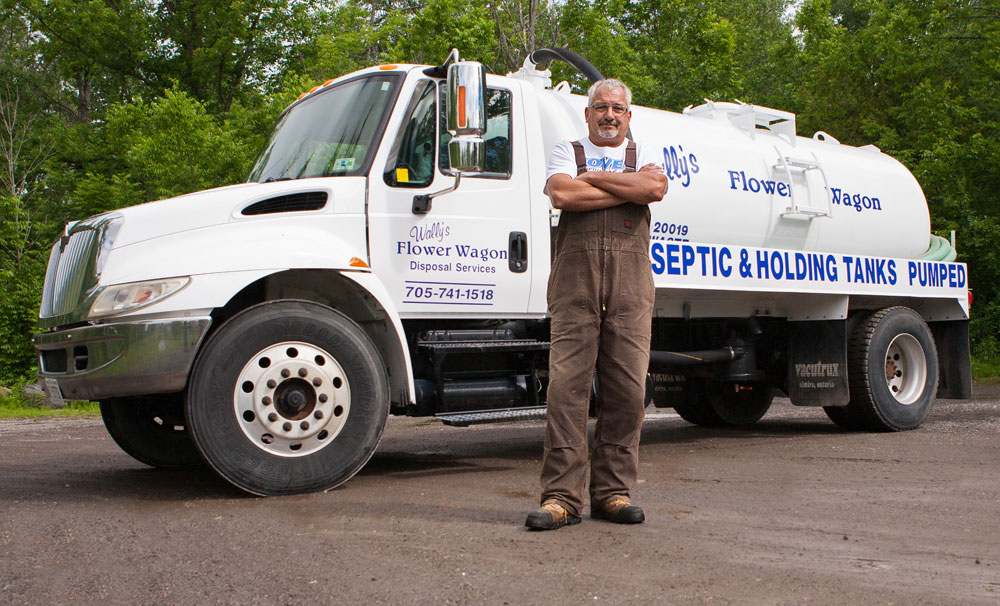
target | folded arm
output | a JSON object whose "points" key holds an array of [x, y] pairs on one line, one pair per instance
{"points": [[568, 193], [647, 185]]}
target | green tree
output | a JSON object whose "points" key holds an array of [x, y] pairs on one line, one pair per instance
{"points": [[918, 78]]}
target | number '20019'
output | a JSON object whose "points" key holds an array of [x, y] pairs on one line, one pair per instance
{"points": [[671, 229]]}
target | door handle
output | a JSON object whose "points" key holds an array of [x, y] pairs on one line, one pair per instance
{"points": [[517, 252]]}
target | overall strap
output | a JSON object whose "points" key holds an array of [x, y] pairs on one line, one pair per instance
{"points": [[581, 158], [630, 157]]}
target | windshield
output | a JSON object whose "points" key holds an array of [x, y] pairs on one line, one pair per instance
{"points": [[332, 133]]}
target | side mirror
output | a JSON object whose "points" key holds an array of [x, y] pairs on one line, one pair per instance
{"points": [[466, 107], [467, 116]]}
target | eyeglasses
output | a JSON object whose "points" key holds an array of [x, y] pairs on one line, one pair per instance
{"points": [[617, 108]]}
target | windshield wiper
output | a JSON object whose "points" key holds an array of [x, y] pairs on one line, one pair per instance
{"points": [[273, 179]]}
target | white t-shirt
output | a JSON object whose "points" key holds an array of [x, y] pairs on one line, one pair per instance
{"points": [[562, 160]]}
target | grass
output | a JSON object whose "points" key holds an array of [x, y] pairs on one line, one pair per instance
{"points": [[986, 371], [14, 406]]}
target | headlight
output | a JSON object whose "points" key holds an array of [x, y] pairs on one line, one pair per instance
{"points": [[135, 295]]}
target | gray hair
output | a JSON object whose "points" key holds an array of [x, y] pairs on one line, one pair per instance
{"points": [[609, 83]]}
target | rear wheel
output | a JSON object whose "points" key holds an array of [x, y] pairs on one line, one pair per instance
{"points": [[739, 404], [288, 397], [893, 373], [718, 403], [151, 430]]}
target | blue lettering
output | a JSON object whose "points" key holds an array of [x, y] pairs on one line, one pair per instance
{"points": [[656, 252], [734, 177], [672, 259], [777, 265], [687, 258], [724, 257], [801, 267], [762, 266]]}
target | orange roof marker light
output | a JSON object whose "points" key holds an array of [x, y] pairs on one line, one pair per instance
{"points": [[356, 262], [387, 67]]}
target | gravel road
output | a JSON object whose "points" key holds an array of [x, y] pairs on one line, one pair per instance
{"points": [[791, 511]]}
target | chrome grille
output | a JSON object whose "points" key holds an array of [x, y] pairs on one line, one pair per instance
{"points": [[73, 265]]}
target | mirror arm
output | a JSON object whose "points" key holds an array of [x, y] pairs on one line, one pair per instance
{"points": [[422, 202], [441, 71]]}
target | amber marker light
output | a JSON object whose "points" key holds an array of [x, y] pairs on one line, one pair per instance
{"points": [[387, 67], [461, 107], [356, 262]]}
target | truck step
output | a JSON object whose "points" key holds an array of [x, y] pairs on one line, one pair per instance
{"points": [[464, 419]]}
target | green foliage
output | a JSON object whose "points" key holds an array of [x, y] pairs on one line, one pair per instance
{"points": [[109, 104], [20, 296], [918, 78], [167, 147], [14, 405]]}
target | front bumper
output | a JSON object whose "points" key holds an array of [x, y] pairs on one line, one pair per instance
{"points": [[121, 359]]}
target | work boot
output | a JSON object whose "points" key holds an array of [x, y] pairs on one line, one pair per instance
{"points": [[549, 516], [619, 510]]}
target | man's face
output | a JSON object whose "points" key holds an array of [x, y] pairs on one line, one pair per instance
{"points": [[607, 122]]}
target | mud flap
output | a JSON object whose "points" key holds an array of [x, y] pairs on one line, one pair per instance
{"points": [[954, 360], [672, 389], [817, 363]]}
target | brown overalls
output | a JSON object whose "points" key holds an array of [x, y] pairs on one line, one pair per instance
{"points": [[600, 297]]}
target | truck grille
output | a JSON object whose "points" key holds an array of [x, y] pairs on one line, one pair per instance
{"points": [[73, 267]]}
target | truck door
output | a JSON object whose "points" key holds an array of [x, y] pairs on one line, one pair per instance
{"points": [[468, 255]]}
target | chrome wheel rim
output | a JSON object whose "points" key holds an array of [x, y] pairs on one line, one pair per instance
{"points": [[292, 399], [905, 369]]}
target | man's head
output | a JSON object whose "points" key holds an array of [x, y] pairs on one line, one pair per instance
{"points": [[608, 112]]}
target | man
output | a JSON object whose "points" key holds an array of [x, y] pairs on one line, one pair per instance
{"points": [[600, 298]]}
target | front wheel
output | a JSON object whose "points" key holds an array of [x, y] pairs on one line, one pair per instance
{"points": [[288, 397]]}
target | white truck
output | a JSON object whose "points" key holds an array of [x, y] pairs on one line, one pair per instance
{"points": [[389, 255]]}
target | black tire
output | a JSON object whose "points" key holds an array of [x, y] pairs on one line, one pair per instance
{"points": [[739, 404], [845, 417], [721, 404], [698, 413], [892, 370], [288, 397], [151, 430]]}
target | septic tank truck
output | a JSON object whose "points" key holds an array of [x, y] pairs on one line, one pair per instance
{"points": [[389, 255]]}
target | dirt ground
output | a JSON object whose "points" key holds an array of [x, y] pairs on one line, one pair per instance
{"points": [[792, 511]]}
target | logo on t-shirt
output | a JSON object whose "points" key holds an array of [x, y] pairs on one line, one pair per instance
{"points": [[608, 165]]}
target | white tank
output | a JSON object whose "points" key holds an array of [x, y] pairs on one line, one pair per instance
{"points": [[739, 175]]}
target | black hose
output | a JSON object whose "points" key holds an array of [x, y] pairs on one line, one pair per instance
{"points": [[564, 54]]}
